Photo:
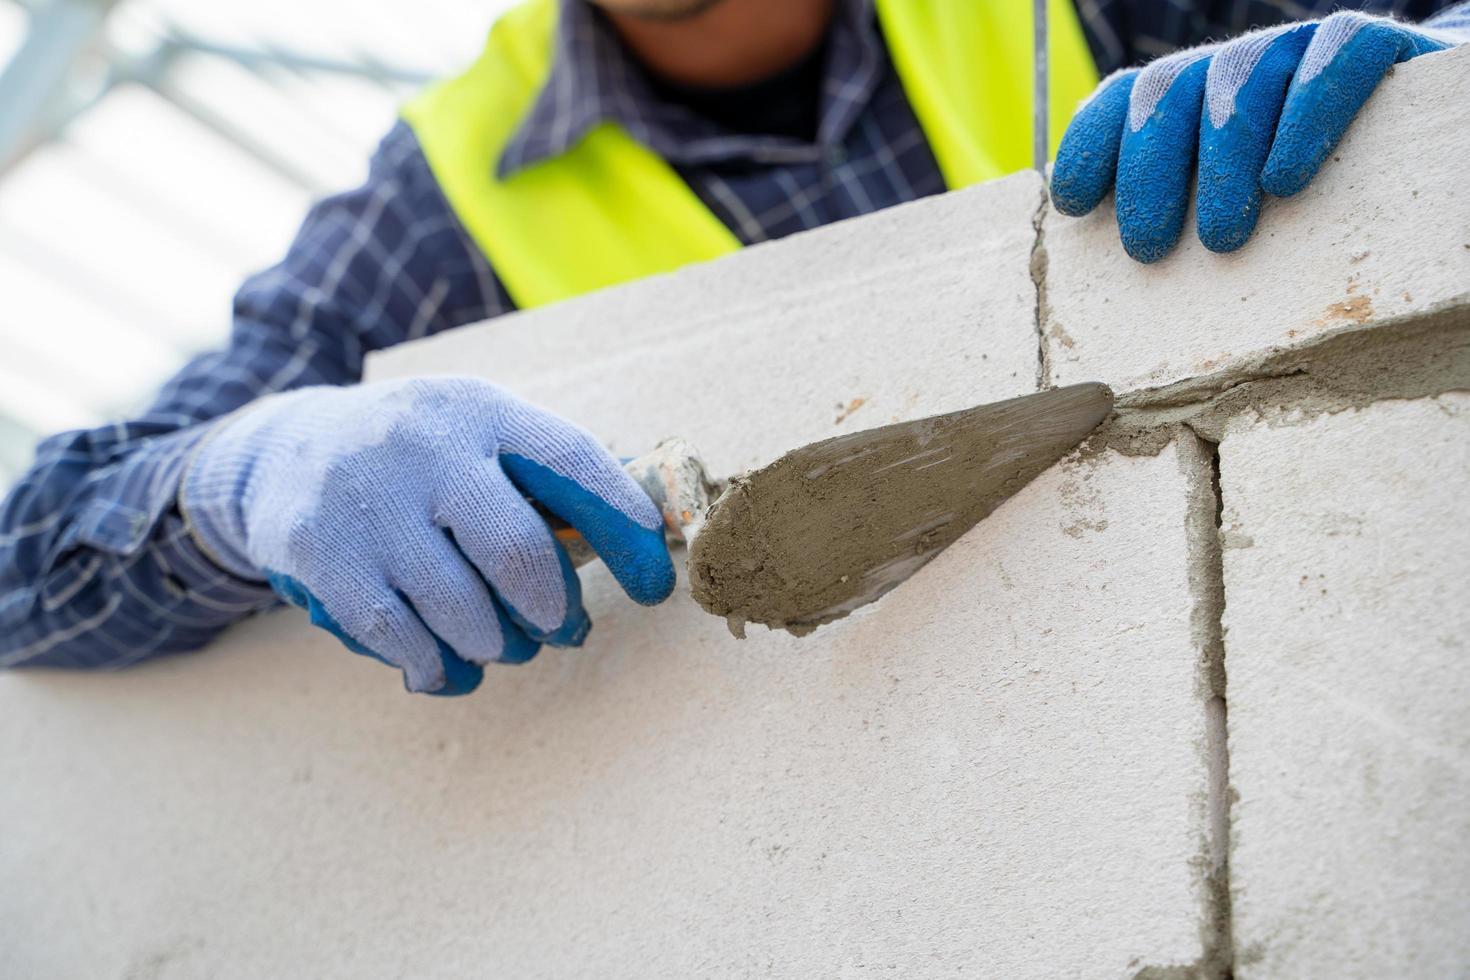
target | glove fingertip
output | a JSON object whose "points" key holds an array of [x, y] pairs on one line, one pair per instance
{"points": [[1225, 220], [1147, 254], [570, 632], [646, 571], [517, 646], [288, 588], [1083, 172], [639, 560], [1076, 198], [460, 676], [1088, 155], [1304, 138], [297, 594], [1148, 245], [1228, 197], [1222, 237], [1285, 179], [577, 624], [637, 555]]}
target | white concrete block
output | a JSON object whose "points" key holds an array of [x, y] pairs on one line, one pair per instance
{"points": [[995, 771], [1383, 231], [918, 309], [1346, 563], [1001, 769]]}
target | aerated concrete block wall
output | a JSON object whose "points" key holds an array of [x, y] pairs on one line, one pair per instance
{"points": [[1193, 704]]}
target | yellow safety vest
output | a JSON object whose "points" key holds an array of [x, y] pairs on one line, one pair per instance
{"points": [[609, 210]]}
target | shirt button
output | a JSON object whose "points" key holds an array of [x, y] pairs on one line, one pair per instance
{"points": [[836, 155]]}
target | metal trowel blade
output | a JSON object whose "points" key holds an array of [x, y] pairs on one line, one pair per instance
{"points": [[834, 525]]}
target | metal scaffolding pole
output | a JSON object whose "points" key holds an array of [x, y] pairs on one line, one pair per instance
{"points": [[39, 82]]}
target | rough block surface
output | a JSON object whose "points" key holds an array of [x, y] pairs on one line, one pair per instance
{"points": [[1347, 555], [994, 771], [1383, 231], [924, 308]]}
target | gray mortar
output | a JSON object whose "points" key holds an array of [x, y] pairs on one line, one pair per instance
{"points": [[1417, 356], [1038, 267], [1199, 462]]}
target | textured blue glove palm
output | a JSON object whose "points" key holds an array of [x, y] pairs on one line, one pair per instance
{"points": [[1259, 113], [396, 514]]}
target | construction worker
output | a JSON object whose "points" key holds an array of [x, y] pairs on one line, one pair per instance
{"points": [[593, 142]]}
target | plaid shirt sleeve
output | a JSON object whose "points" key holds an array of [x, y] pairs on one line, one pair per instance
{"points": [[96, 566], [1128, 32]]}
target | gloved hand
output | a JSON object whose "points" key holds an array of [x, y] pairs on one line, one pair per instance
{"points": [[396, 514], [1261, 112]]}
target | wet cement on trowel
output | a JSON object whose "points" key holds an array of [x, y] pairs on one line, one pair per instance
{"points": [[832, 526]]}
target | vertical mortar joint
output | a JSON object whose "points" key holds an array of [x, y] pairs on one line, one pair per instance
{"points": [[1207, 586], [1038, 282]]}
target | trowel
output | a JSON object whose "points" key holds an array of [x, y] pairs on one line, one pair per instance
{"points": [[834, 525]]}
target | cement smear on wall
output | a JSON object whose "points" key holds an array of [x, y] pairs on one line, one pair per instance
{"points": [[1419, 356]]}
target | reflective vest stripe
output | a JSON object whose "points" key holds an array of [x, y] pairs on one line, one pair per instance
{"points": [[608, 210], [966, 67]]}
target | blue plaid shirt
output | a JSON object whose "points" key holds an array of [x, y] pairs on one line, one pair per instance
{"points": [[96, 566]]}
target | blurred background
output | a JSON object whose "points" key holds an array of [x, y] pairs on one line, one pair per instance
{"points": [[155, 152]]}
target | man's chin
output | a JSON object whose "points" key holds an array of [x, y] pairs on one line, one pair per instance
{"points": [[657, 9]]}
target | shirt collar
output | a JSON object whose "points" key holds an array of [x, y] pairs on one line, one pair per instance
{"points": [[593, 80]]}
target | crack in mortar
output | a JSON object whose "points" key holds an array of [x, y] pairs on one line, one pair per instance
{"points": [[1410, 357], [1038, 280]]}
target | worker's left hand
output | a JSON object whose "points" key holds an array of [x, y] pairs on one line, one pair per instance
{"points": [[1260, 113]]}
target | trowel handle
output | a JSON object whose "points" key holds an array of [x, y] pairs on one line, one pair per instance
{"points": [[674, 478]]}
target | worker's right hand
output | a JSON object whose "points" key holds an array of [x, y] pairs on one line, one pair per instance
{"points": [[396, 513]]}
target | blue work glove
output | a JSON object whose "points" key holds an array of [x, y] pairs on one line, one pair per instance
{"points": [[396, 514], [1259, 113]]}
